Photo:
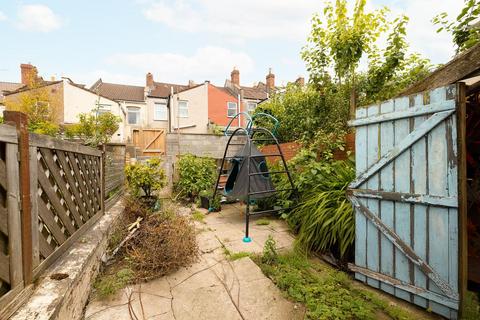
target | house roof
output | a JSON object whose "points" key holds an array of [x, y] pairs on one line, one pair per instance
{"points": [[257, 92], [462, 66], [163, 90], [26, 87], [117, 92], [9, 86]]}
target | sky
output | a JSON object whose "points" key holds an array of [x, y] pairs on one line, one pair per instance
{"points": [[180, 40]]}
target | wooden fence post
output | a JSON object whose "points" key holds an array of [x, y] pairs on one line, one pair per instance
{"points": [[20, 120], [102, 176]]}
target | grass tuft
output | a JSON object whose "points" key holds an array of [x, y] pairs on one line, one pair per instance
{"points": [[198, 216], [262, 222]]}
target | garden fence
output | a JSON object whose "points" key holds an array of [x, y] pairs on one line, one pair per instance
{"points": [[51, 193]]}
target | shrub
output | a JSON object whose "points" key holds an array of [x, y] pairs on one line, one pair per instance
{"points": [[324, 219], [94, 129], [147, 177], [195, 174], [270, 254]]}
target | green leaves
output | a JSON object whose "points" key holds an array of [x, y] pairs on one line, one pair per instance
{"points": [[465, 33], [147, 177], [195, 174], [94, 129]]}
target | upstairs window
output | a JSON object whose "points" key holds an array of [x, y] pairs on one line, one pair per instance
{"points": [[160, 111], [251, 106], [133, 116], [183, 109], [231, 109], [104, 108]]}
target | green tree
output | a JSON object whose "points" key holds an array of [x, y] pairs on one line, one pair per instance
{"points": [[39, 105], [148, 177], [94, 128], [464, 29]]}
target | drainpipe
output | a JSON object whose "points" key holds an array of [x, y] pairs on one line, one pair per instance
{"points": [[239, 110]]}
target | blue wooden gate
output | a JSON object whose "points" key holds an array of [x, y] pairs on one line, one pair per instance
{"points": [[405, 199]]}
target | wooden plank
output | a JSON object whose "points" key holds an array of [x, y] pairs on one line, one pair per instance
{"points": [[88, 183], [67, 196], [53, 227], [43, 141], [66, 245], [72, 185], [3, 175], [4, 220], [4, 268], [414, 198], [360, 221], [34, 210], [402, 178], [373, 250], [440, 106], [452, 187], [81, 183], [403, 145], [8, 134], [387, 250], [14, 221], [53, 199], [462, 194], [45, 248], [405, 249], [153, 140], [419, 185], [438, 217], [94, 177], [14, 299], [419, 291]]}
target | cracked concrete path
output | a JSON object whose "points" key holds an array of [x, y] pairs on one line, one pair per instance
{"points": [[214, 287]]}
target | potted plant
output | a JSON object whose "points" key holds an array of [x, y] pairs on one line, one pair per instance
{"points": [[208, 202]]}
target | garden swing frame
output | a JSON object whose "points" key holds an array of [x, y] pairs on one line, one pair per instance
{"points": [[249, 133]]}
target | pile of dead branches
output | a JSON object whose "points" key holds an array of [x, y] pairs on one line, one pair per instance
{"points": [[155, 243]]}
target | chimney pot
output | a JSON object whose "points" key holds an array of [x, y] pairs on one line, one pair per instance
{"points": [[235, 76], [270, 79], [149, 80]]}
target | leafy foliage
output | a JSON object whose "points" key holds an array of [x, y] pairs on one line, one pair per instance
{"points": [[465, 32], [324, 219], [195, 174], [147, 177], [303, 112], [326, 293], [270, 254], [39, 105], [94, 129]]}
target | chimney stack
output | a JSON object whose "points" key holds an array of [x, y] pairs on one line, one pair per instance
{"points": [[191, 83], [270, 80], [300, 81], [149, 82], [28, 73], [235, 76]]}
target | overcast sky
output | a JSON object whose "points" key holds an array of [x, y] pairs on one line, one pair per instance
{"points": [[120, 40]]}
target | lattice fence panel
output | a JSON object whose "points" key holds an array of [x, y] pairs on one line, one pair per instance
{"points": [[69, 194], [4, 254]]}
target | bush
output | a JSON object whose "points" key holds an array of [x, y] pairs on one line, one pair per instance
{"points": [[147, 177], [94, 129], [195, 174], [324, 219]]}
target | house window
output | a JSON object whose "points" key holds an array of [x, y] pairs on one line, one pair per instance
{"points": [[183, 109], [160, 111], [231, 109], [251, 106], [133, 115], [104, 108]]}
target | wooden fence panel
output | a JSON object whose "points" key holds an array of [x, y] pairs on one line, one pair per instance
{"points": [[115, 156]]}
